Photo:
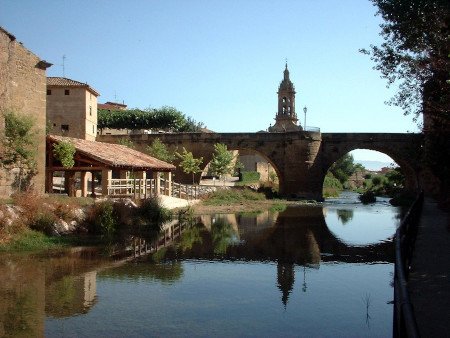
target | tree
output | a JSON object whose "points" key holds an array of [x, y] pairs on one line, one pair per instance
{"points": [[343, 168], [127, 142], [64, 152], [160, 151], [189, 164], [19, 148], [222, 161], [165, 118], [415, 53]]}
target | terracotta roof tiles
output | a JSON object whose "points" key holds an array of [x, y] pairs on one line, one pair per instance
{"points": [[115, 155], [65, 82]]}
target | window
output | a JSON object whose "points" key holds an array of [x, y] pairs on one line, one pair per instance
{"points": [[54, 124], [90, 111], [49, 92], [93, 129], [64, 128], [66, 92]]}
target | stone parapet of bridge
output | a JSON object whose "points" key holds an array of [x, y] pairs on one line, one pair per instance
{"points": [[301, 159]]}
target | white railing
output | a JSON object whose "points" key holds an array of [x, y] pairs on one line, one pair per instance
{"points": [[140, 188], [132, 187]]}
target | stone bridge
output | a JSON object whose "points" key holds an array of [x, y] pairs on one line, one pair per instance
{"points": [[301, 159]]}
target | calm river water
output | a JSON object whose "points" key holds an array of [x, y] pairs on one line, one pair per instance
{"points": [[313, 271]]}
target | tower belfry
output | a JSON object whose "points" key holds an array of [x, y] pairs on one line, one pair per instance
{"points": [[286, 118]]}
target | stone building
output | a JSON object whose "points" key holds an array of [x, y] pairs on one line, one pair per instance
{"points": [[71, 108], [22, 91], [286, 117]]}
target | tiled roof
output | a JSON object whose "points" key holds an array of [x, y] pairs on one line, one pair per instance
{"points": [[65, 82], [111, 106], [115, 155]]}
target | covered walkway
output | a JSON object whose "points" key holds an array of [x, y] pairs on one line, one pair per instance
{"points": [[429, 278], [106, 163]]}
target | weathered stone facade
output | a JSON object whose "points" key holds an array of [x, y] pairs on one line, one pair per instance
{"points": [[22, 90], [71, 108]]}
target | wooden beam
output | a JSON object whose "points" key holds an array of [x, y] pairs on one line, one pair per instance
{"points": [[76, 169]]}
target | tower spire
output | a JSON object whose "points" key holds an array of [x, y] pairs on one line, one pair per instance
{"points": [[286, 118]]}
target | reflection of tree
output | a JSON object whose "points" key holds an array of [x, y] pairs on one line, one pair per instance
{"points": [[344, 215], [60, 297], [166, 273], [285, 279], [19, 314], [222, 234], [189, 237]]}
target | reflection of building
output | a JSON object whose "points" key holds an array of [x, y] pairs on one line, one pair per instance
{"points": [[285, 279], [71, 295]]}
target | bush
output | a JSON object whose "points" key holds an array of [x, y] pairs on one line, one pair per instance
{"points": [[43, 222], [102, 220], [367, 197], [233, 196], [269, 191], [331, 186], [250, 176], [152, 215]]}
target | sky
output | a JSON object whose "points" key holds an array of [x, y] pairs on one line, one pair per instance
{"points": [[219, 61]]}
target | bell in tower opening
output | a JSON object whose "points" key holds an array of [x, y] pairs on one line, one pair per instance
{"points": [[286, 118]]}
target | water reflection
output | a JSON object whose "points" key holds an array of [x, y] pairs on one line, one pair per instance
{"points": [[40, 290], [344, 215], [35, 286]]}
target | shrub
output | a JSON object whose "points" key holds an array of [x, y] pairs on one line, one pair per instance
{"points": [[367, 197], [250, 176], [43, 222], [150, 215], [232, 196], [102, 220]]}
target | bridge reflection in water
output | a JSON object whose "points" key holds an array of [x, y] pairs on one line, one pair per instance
{"points": [[36, 287]]}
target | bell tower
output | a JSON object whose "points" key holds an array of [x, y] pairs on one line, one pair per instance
{"points": [[286, 118]]}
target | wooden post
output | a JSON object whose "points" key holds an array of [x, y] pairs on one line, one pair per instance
{"points": [[106, 178], [157, 183], [84, 184], [49, 182], [70, 183], [92, 185], [168, 177]]}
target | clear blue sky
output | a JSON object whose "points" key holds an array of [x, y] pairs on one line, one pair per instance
{"points": [[218, 61]]}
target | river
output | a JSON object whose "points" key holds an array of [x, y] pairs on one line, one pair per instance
{"points": [[309, 271]]}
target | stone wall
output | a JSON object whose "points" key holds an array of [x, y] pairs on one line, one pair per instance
{"points": [[22, 90]]}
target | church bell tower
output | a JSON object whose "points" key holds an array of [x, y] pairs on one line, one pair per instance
{"points": [[286, 118]]}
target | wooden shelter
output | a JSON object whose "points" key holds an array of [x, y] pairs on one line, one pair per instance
{"points": [[109, 159]]}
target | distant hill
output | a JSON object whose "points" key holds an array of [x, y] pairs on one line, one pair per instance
{"points": [[374, 165]]}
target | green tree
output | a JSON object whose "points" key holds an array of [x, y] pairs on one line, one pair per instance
{"points": [[222, 161], [165, 118], [415, 55], [64, 152], [127, 142], [160, 151], [19, 148], [189, 164], [343, 168]]}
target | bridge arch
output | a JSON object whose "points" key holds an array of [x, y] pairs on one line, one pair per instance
{"points": [[301, 158], [402, 151]]}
